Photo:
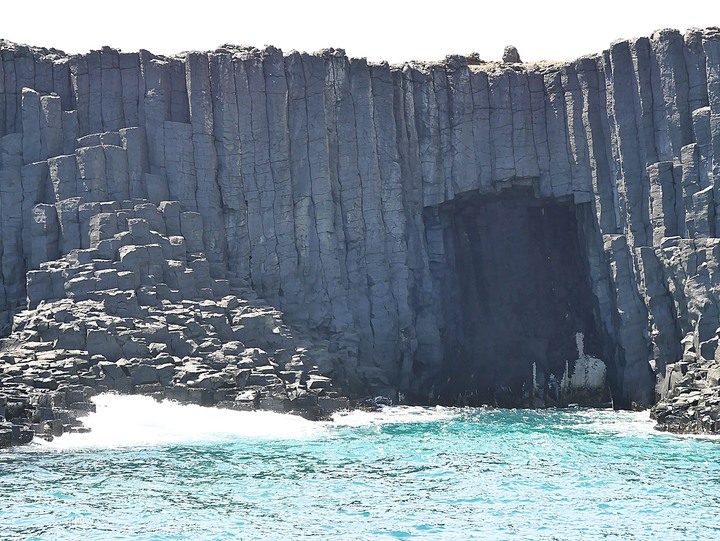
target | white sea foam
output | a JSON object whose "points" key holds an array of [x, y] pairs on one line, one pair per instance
{"points": [[618, 422], [132, 421], [137, 421], [631, 423], [140, 421], [395, 415]]}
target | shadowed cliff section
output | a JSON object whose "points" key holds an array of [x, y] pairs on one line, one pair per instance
{"points": [[319, 181], [515, 298]]}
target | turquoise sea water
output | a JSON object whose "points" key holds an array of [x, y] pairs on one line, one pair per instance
{"points": [[164, 471]]}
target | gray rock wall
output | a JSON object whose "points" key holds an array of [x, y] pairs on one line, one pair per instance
{"points": [[318, 179]]}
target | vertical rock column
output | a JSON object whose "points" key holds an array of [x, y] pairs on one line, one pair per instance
{"points": [[481, 128], [12, 268], [3, 103], [322, 191], [345, 143], [262, 193], [524, 153], [632, 195], [578, 139], [631, 363], [11, 96], [314, 293], [664, 332], [711, 46], [376, 268], [393, 217], [24, 64], [44, 235], [226, 125], [81, 90], [428, 131], [464, 171], [536, 86], [30, 114], [154, 107], [111, 91], [205, 158], [592, 85], [420, 343], [445, 154], [662, 201], [129, 66], [672, 114], [560, 174], [501, 127], [51, 126], [276, 107]]}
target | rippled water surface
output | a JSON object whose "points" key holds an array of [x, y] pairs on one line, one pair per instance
{"points": [[164, 471]]}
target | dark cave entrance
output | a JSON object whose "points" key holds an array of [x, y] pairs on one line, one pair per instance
{"points": [[515, 290]]}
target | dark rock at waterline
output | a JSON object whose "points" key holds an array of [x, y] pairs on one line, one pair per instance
{"points": [[6, 439], [14, 434], [690, 399]]}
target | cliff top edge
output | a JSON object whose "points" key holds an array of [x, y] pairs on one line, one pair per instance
{"points": [[454, 61]]}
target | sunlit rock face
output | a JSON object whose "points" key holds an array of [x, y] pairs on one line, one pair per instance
{"points": [[445, 227]]}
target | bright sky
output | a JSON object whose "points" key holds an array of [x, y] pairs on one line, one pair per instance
{"points": [[394, 30]]}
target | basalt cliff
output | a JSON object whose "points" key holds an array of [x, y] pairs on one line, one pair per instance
{"points": [[257, 229]]}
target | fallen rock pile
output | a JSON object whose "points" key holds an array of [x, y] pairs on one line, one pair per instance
{"points": [[143, 311]]}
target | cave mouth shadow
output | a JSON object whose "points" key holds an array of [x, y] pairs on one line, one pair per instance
{"points": [[515, 291]]}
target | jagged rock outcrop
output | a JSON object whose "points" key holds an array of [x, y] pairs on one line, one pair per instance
{"points": [[451, 227]]}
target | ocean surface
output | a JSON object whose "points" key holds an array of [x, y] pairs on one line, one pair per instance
{"points": [[161, 471]]}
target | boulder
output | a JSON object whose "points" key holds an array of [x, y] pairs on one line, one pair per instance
{"points": [[511, 55]]}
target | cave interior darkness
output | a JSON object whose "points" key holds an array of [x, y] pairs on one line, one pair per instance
{"points": [[515, 290]]}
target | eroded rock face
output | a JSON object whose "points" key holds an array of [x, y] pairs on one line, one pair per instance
{"points": [[319, 183]]}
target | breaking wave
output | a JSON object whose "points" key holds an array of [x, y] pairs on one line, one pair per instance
{"points": [[132, 421]]}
